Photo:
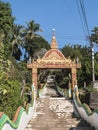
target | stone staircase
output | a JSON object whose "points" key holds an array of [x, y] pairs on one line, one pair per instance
{"points": [[56, 113]]}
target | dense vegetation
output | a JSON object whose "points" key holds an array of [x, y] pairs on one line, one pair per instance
{"points": [[83, 55], [84, 75], [18, 44]]}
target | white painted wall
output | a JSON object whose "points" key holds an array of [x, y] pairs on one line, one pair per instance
{"points": [[25, 118], [92, 119]]}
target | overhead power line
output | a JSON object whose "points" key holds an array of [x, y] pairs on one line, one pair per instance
{"points": [[79, 10], [83, 16]]}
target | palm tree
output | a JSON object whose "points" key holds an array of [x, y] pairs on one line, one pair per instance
{"points": [[16, 41], [94, 35], [29, 34]]}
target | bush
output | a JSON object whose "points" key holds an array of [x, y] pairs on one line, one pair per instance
{"points": [[10, 100], [85, 94]]}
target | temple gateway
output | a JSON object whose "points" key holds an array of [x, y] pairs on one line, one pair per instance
{"points": [[54, 59]]}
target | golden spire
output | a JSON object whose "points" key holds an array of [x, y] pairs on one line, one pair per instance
{"points": [[54, 42]]}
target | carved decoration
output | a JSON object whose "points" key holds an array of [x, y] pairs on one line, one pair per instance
{"points": [[54, 59], [54, 56], [54, 43]]}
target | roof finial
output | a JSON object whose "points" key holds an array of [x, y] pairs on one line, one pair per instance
{"points": [[53, 30], [54, 42]]}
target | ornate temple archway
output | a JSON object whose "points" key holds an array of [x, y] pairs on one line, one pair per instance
{"points": [[54, 59]]}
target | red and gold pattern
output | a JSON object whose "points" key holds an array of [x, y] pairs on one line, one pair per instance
{"points": [[54, 59]]}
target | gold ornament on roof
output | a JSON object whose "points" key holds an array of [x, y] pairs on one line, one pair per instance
{"points": [[54, 44]]}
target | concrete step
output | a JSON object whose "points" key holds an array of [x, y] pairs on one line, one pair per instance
{"points": [[56, 114], [83, 128], [50, 91]]}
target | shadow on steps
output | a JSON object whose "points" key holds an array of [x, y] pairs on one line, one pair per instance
{"points": [[82, 125]]}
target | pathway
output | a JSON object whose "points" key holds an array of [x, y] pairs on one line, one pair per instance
{"points": [[55, 114]]}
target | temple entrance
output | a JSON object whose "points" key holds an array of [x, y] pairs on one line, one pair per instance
{"points": [[54, 59], [61, 77], [56, 82]]}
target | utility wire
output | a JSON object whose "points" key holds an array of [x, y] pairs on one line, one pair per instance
{"points": [[82, 14], [79, 10], [84, 17], [89, 37]]}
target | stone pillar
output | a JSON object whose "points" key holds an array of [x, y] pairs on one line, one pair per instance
{"points": [[34, 80], [34, 77], [74, 77]]}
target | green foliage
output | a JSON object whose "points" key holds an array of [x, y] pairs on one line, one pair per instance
{"points": [[6, 25], [37, 44], [85, 94], [58, 76], [41, 43], [12, 73], [9, 89], [6, 19], [16, 40], [94, 35], [22, 73], [29, 34], [90, 89], [10, 98], [2, 64], [84, 55], [72, 51], [96, 65], [12, 39]]}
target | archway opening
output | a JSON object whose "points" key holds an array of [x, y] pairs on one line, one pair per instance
{"points": [[61, 77]]}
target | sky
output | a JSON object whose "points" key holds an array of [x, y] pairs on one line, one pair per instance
{"points": [[61, 15]]}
